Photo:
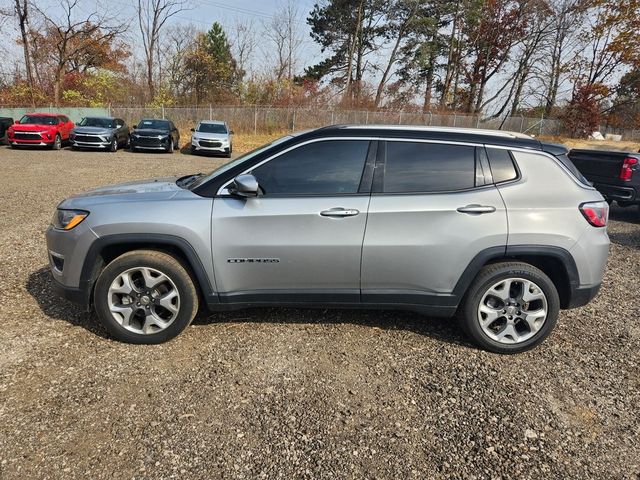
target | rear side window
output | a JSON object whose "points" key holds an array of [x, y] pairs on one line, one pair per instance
{"points": [[428, 167], [331, 167], [502, 167]]}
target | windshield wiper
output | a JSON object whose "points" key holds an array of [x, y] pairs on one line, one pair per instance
{"points": [[187, 180]]}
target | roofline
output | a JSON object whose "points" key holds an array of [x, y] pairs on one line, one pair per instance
{"points": [[444, 134], [424, 128], [44, 114]]}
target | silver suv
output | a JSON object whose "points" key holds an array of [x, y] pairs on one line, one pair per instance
{"points": [[212, 136], [497, 227]]}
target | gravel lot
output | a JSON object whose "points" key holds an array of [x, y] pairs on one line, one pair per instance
{"points": [[283, 393]]}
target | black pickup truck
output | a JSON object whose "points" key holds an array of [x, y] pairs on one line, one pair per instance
{"points": [[5, 123], [616, 175]]}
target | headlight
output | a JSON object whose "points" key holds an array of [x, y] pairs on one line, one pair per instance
{"points": [[67, 219]]}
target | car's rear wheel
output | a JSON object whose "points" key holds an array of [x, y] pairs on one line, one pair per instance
{"points": [[145, 296], [57, 142], [510, 307]]}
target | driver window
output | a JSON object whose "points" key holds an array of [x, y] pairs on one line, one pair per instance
{"points": [[330, 167]]}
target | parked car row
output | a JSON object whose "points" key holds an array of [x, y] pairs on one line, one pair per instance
{"points": [[110, 133]]}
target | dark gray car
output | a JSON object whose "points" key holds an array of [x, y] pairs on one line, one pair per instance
{"points": [[100, 132]]}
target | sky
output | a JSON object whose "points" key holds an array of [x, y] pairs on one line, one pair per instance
{"points": [[200, 13]]}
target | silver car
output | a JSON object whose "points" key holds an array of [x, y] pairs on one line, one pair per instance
{"points": [[498, 228], [212, 136]]}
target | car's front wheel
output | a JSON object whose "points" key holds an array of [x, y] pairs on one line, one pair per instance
{"points": [[113, 147], [145, 296], [510, 307], [57, 142], [170, 147]]}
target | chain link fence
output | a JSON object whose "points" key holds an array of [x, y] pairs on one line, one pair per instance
{"points": [[270, 120]]}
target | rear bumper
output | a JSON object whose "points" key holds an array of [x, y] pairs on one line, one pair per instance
{"points": [[618, 193], [582, 295]]}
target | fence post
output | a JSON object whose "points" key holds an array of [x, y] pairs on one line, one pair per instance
{"points": [[400, 118], [163, 111], [255, 120], [293, 121], [332, 118], [541, 124], [477, 121], [455, 116], [521, 123], [366, 120], [210, 112], [430, 117]]}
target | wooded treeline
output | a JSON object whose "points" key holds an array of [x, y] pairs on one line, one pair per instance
{"points": [[572, 59]]}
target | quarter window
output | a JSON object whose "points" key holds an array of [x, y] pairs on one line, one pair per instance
{"points": [[428, 167], [502, 167], [319, 168]]}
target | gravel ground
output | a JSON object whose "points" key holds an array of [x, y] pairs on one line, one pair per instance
{"points": [[284, 393]]}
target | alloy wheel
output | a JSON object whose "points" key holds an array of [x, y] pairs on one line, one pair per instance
{"points": [[512, 310], [143, 300]]}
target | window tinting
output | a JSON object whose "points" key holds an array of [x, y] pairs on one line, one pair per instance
{"points": [[328, 167], [502, 167], [428, 167]]}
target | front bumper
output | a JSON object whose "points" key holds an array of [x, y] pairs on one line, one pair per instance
{"points": [[77, 295], [149, 143], [35, 143], [210, 146]]}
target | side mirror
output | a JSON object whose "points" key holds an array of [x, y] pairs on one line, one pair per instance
{"points": [[193, 129], [135, 126], [245, 186], [230, 132]]}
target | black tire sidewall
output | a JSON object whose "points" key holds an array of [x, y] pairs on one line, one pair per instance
{"points": [[57, 142], [176, 272], [484, 281]]}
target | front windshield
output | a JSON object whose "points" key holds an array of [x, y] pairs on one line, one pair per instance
{"points": [[212, 128], [98, 122], [154, 124], [242, 158], [38, 120]]}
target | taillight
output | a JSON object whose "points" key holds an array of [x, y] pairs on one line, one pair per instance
{"points": [[596, 213], [628, 167]]}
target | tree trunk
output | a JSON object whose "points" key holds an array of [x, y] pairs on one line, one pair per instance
{"points": [[426, 106], [23, 19], [450, 69]]}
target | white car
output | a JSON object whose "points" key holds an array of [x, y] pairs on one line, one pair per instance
{"points": [[212, 136]]}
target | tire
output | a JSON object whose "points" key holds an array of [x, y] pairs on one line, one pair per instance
{"points": [[193, 151], [114, 145], [170, 147], [146, 321], [510, 332], [57, 142]]}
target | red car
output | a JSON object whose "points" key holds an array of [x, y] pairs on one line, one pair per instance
{"points": [[43, 129]]}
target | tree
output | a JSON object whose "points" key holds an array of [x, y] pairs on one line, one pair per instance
{"points": [[284, 40], [349, 30], [152, 18], [21, 10], [582, 116], [210, 67], [75, 43], [243, 44]]}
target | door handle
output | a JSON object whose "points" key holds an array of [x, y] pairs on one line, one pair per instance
{"points": [[477, 209], [340, 212]]}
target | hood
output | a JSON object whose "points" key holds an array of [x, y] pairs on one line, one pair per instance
{"points": [[31, 127], [150, 131], [141, 190], [94, 130], [211, 136]]}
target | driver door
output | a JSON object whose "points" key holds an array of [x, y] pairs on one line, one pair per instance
{"points": [[301, 239]]}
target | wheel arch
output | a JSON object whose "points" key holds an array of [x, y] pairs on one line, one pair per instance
{"points": [[107, 248], [556, 262]]}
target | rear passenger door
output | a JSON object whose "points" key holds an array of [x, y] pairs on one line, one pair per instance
{"points": [[433, 208]]}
